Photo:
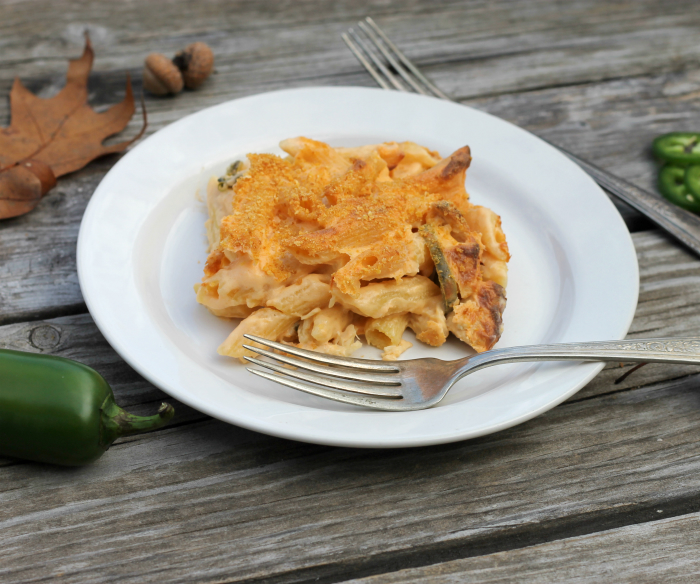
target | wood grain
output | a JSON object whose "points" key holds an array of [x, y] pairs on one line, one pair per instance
{"points": [[657, 551], [516, 47]]}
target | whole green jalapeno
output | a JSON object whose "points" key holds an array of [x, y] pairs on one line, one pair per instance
{"points": [[59, 411]]}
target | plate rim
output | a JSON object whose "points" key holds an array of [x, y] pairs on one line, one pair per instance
{"points": [[283, 431]]}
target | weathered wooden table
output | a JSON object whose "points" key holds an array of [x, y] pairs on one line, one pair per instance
{"points": [[605, 487]]}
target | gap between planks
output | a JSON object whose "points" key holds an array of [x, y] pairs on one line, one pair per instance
{"points": [[649, 552]]}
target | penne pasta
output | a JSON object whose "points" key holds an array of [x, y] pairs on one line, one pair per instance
{"points": [[385, 331], [325, 325], [378, 299], [299, 299], [430, 324], [267, 323]]}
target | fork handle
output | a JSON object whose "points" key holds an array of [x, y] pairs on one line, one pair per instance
{"points": [[682, 224], [676, 350]]}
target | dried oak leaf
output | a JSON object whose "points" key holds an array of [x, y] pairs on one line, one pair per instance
{"points": [[48, 138]]}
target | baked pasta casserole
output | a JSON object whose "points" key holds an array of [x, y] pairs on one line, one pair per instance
{"points": [[330, 244]]}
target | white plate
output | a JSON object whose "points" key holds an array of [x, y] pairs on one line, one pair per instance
{"points": [[142, 245]]}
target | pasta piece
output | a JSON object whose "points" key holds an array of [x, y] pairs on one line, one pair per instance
{"points": [[496, 254], [311, 292], [325, 325], [219, 205], [267, 323], [399, 254], [344, 345], [429, 323], [385, 331], [415, 160], [235, 311], [234, 283], [409, 157], [393, 153], [329, 331], [378, 299], [312, 154], [446, 179], [393, 352], [488, 224], [494, 270]]}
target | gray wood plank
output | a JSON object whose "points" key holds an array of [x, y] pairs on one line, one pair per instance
{"points": [[498, 46], [38, 273], [657, 551]]}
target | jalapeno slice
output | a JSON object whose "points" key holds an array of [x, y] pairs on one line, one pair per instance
{"points": [[692, 180], [679, 148], [673, 186]]}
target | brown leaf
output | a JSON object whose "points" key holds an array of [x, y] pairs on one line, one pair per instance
{"points": [[62, 133]]}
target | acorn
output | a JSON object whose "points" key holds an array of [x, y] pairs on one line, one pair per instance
{"points": [[195, 63], [161, 76]]}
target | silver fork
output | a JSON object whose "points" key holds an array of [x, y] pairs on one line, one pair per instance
{"points": [[391, 69], [421, 383]]}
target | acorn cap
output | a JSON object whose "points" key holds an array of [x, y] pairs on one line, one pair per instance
{"points": [[196, 63], [161, 76]]}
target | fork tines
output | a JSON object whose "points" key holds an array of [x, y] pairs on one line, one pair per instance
{"points": [[379, 48], [364, 378]]}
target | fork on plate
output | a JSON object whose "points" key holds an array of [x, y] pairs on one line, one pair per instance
{"points": [[418, 384], [391, 69]]}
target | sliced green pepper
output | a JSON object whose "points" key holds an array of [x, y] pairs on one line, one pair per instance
{"points": [[60, 411], [448, 285], [672, 184], [692, 180], [679, 148]]}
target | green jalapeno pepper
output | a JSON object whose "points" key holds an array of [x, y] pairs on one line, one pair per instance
{"points": [[448, 285], [692, 180], [679, 148], [59, 411], [672, 184]]}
